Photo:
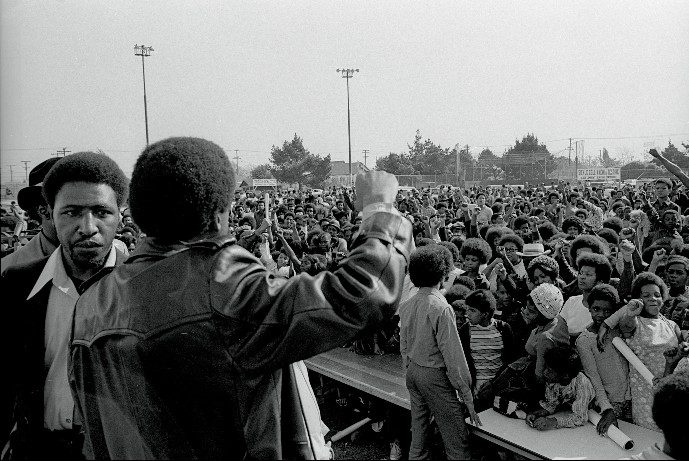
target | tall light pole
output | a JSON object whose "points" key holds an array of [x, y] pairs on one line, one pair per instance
{"points": [[347, 74], [143, 51]]}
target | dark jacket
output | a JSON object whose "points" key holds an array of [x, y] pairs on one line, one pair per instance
{"points": [[179, 352], [23, 355]]}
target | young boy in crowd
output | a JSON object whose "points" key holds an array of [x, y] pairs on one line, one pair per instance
{"points": [[608, 370], [476, 252], [491, 344], [566, 385], [432, 354], [592, 269]]}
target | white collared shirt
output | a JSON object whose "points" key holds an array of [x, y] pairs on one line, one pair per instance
{"points": [[58, 404]]}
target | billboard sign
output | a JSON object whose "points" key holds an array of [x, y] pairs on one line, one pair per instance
{"points": [[598, 174], [265, 182]]}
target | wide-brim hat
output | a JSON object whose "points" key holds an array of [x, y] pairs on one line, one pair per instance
{"points": [[32, 196], [531, 250]]}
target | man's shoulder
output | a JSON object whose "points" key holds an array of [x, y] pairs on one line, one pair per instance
{"points": [[26, 270]]}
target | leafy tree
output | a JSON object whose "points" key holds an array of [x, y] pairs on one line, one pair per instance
{"points": [[396, 164], [523, 162], [681, 159], [489, 163], [261, 172], [429, 158], [293, 163]]}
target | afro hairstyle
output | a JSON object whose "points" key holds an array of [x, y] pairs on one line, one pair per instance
{"points": [[178, 186], [466, 281], [457, 292], [456, 257], [514, 238], [423, 241], [547, 230], [609, 235], [482, 300], [476, 247], [497, 233], [599, 262], [519, 221], [614, 223], [648, 278], [587, 241], [546, 264], [87, 167], [429, 265], [604, 292], [573, 221]]}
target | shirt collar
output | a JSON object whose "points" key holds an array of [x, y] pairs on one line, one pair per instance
{"points": [[54, 270]]}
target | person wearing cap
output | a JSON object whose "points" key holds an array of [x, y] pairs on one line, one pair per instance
{"points": [[84, 192], [32, 201], [676, 306], [541, 312], [206, 332]]}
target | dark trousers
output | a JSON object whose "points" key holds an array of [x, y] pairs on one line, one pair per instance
{"points": [[432, 394]]}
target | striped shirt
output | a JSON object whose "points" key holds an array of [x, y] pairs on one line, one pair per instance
{"points": [[486, 350]]}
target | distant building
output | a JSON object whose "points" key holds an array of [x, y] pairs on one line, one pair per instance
{"points": [[339, 172]]}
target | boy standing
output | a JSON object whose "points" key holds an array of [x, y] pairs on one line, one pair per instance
{"points": [[434, 358]]}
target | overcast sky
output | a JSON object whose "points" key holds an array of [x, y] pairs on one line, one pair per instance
{"points": [[248, 75]]}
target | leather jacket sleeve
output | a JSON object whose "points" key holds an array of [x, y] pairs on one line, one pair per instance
{"points": [[269, 321]]}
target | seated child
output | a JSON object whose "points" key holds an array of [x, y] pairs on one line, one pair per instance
{"points": [[566, 386], [491, 344], [607, 369]]}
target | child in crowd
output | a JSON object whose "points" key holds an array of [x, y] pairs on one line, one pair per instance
{"points": [[491, 343], [476, 252], [566, 385], [592, 269], [432, 354], [607, 369]]}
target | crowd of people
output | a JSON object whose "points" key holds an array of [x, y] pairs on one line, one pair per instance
{"points": [[166, 316]]}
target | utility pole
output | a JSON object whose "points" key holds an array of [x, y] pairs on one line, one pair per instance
{"points": [[365, 151], [26, 170], [64, 152], [457, 163], [11, 174], [237, 158], [144, 51], [347, 74]]}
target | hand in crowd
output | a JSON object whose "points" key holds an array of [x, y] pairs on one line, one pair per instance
{"points": [[374, 187], [607, 418]]}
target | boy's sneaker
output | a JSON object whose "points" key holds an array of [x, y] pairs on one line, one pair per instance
{"points": [[395, 450]]}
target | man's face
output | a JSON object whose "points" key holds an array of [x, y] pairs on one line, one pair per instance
{"points": [[127, 220], [511, 251], [86, 217], [481, 200], [471, 263], [572, 231], [662, 191], [676, 275], [340, 206], [522, 230], [587, 278], [670, 220], [309, 212]]}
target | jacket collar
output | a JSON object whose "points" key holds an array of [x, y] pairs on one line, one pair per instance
{"points": [[153, 248], [54, 270]]}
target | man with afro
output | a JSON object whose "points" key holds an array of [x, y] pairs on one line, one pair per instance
{"points": [[181, 352], [84, 193], [434, 359]]}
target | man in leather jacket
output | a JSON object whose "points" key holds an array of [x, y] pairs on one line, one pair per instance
{"points": [[180, 352]]}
